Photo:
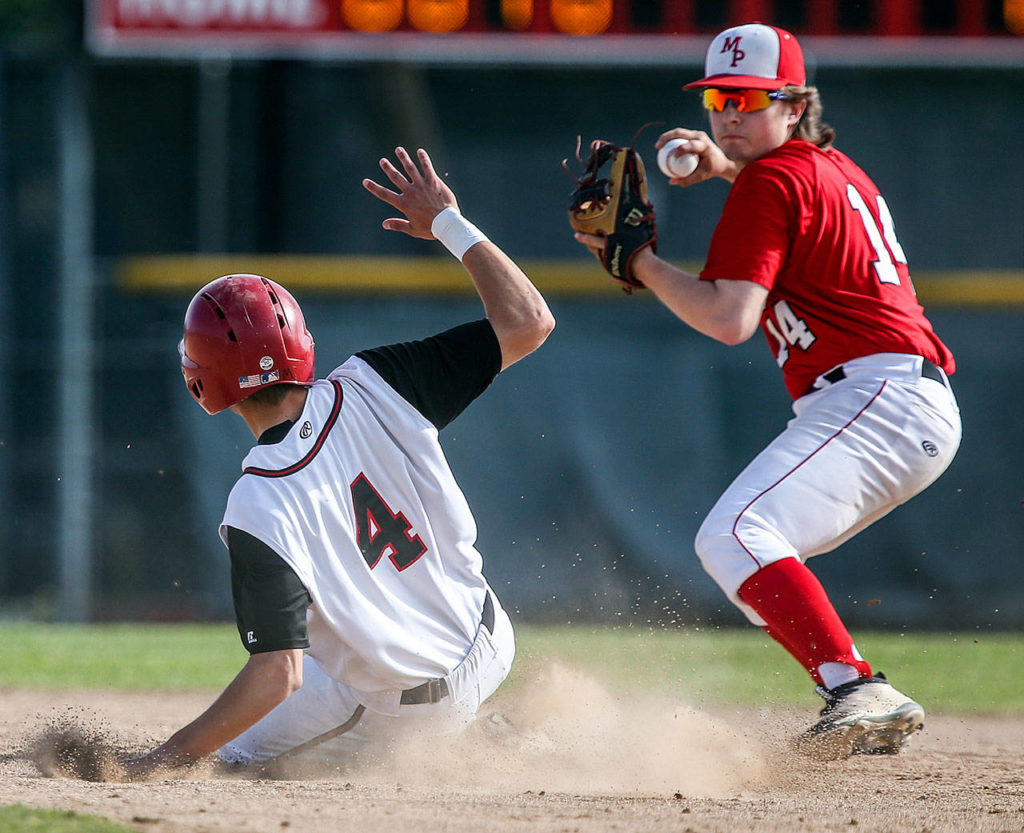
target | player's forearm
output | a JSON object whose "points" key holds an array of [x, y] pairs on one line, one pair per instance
{"points": [[517, 311], [693, 300], [264, 682], [726, 310]]}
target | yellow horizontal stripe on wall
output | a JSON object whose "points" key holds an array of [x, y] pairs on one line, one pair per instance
{"points": [[440, 275], [408, 275]]}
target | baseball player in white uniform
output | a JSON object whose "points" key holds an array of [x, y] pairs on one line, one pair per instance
{"points": [[358, 589]]}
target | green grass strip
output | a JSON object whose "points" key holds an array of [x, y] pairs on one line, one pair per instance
{"points": [[973, 673], [132, 657], [977, 672], [21, 819]]}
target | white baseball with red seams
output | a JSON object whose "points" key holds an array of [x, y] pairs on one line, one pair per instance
{"points": [[676, 166]]}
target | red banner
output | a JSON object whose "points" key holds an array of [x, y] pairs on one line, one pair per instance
{"points": [[645, 31]]}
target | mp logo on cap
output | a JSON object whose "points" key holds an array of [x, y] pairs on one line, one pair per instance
{"points": [[753, 55], [733, 45]]}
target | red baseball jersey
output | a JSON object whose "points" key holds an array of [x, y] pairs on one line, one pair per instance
{"points": [[812, 228]]}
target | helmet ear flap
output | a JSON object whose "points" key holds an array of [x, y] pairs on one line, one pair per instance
{"points": [[243, 333]]}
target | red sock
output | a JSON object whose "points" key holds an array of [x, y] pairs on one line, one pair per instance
{"points": [[800, 617]]}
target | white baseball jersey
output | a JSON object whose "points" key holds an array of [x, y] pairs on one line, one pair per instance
{"points": [[358, 499]]}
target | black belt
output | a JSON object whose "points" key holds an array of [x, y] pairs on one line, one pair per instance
{"points": [[931, 371], [434, 691], [928, 371]]}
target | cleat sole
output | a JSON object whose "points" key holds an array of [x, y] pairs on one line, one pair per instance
{"points": [[885, 734]]}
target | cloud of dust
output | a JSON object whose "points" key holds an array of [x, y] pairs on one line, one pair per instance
{"points": [[74, 746], [567, 733], [564, 732]]}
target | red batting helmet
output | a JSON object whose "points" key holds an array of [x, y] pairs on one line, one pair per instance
{"points": [[243, 333]]}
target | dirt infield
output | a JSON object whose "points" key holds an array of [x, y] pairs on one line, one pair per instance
{"points": [[585, 762]]}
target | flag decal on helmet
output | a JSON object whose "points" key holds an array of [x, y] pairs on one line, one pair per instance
{"points": [[259, 379]]}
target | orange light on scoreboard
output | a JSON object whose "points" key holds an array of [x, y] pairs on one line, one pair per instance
{"points": [[581, 17], [422, 15], [372, 15], [438, 15], [570, 17]]}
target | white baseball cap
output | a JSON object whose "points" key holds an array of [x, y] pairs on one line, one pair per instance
{"points": [[754, 56]]}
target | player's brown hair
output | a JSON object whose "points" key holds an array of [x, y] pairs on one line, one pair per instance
{"points": [[810, 128], [273, 395]]}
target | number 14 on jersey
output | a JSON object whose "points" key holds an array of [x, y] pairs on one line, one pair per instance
{"points": [[788, 329]]}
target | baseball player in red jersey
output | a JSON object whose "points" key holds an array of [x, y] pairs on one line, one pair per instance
{"points": [[806, 249], [358, 589]]}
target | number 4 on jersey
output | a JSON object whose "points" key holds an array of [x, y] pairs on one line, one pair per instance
{"points": [[791, 330], [379, 531]]}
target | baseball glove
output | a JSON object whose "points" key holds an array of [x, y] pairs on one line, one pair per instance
{"points": [[610, 200]]}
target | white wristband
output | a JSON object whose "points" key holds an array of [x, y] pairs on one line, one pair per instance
{"points": [[456, 232]]}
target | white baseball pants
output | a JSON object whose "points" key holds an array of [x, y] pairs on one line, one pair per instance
{"points": [[324, 703], [854, 450]]}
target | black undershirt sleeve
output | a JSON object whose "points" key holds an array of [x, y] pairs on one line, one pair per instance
{"points": [[270, 601], [439, 376]]}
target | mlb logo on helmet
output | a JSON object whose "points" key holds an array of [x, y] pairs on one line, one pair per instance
{"points": [[753, 56], [257, 380]]}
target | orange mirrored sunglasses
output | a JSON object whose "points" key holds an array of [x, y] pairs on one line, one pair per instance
{"points": [[746, 101]]}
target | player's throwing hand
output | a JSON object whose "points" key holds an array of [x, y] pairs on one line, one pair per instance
{"points": [[712, 161]]}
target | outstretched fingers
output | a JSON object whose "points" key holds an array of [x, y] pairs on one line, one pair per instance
{"points": [[397, 177], [381, 192], [411, 171], [403, 181], [428, 166], [420, 194], [392, 198]]}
